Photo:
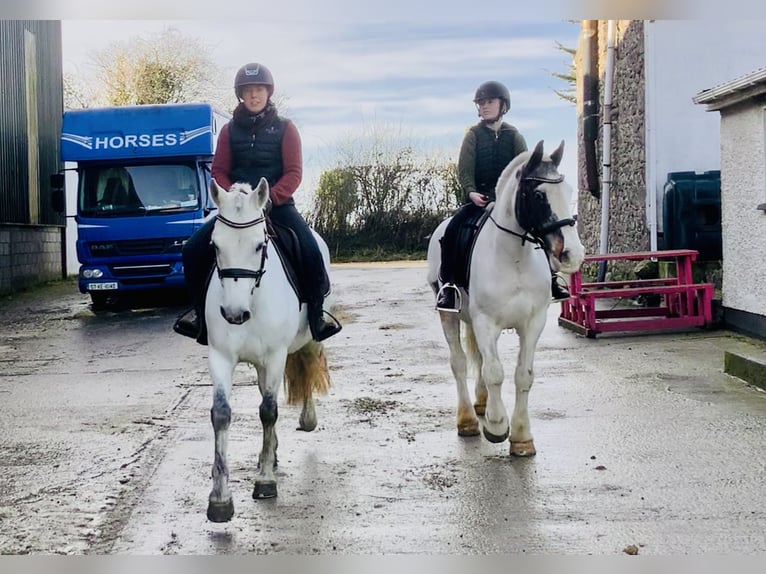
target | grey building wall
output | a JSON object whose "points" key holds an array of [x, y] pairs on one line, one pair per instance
{"points": [[31, 232], [743, 180]]}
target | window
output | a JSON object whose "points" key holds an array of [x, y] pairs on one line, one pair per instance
{"points": [[108, 190]]}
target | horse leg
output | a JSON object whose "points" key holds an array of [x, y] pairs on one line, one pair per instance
{"points": [[306, 372], [220, 505], [467, 423], [480, 388], [308, 419], [496, 426], [522, 443], [270, 376]]}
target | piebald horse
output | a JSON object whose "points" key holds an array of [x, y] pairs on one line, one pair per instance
{"points": [[253, 315], [509, 288]]}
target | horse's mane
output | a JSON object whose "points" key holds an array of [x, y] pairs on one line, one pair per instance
{"points": [[518, 160], [509, 170]]}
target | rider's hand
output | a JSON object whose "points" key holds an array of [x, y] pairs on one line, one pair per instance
{"points": [[478, 198]]}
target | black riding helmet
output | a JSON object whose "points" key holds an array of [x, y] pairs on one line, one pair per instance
{"points": [[493, 89], [250, 74]]}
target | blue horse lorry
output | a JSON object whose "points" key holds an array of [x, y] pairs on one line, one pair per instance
{"points": [[142, 190]]}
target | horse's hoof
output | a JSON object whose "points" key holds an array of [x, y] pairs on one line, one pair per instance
{"points": [[306, 426], [220, 511], [496, 437], [264, 490], [523, 448], [469, 429]]}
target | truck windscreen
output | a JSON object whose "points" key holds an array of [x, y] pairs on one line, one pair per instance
{"points": [[120, 190]]}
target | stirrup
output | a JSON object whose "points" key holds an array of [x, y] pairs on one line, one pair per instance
{"points": [[458, 299]]}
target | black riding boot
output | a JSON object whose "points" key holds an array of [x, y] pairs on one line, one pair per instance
{"points": [[187, 323], [321, 328], [191, 323], [199, 258], [558, 291]]}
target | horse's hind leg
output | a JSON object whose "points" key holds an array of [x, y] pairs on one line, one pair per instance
{"points": [[220, 505], [480, 388], [522, 443], [306, 372], [467, 423], [269, 380], [308, 418]]}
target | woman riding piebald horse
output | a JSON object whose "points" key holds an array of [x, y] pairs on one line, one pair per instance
{"points": [[487, 148]]}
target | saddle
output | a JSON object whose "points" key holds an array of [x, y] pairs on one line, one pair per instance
{"points": [[465, 242], [290, 254]]}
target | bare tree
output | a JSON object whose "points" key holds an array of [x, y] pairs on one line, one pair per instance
{"points": [[159, 68], [76, 94], [382, 194]]}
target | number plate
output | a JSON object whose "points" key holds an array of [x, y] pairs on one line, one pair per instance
{"points": [[102, 286]]}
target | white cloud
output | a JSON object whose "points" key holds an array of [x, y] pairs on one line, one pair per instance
{"points": [[341, 69]]}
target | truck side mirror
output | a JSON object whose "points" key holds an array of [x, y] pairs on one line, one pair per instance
{"points": [[58, 198]]}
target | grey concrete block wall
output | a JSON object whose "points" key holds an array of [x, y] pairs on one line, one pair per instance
{"points": [[29, 255]]}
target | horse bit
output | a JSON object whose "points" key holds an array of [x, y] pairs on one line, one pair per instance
{"points": [[236, 272]]}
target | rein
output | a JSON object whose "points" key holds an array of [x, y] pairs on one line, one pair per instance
{"points": [[236, 272]]}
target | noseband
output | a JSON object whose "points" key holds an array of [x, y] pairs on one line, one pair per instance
{"points": [[236, 272], [537, 235]]}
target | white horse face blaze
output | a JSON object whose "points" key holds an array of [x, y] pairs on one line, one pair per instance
{"points": [[567, 251], [573, 255]]}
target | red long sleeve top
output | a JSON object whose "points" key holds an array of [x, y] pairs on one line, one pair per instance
{"points": [[292, 162]]}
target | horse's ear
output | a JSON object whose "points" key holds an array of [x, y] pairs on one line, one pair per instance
{"points": [[533, 161], [557, 154], [215, 191], [261, 195]]}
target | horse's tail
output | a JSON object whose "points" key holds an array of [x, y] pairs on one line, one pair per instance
{"points": [[471, 350], [306, 373]]}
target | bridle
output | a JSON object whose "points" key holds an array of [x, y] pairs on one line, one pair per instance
{"points": [[537, 235], [236, 272]]}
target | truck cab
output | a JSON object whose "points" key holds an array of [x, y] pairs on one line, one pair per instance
{"points": [[142, 190]]}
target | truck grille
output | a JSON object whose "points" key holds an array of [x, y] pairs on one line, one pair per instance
{"points": [[136, 247], [146, 271]]}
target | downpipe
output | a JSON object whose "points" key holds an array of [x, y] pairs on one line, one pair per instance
{"points": [[607, 146]]}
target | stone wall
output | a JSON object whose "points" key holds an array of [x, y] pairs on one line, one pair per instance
{"points": [[29, 255], [627, 190]]}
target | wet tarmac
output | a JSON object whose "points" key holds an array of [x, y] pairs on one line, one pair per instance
{"points": [[106, 443]]}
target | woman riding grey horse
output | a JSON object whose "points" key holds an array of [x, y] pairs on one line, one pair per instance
{"points": [[257, 143]]}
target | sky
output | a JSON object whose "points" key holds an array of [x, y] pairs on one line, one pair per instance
{"points": [[344, 71]]}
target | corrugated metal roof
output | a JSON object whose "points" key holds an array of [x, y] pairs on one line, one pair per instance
{"points": [[733, 91]]}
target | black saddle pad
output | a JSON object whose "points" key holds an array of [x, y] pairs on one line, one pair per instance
{"points": [[465, 242], [290, 253]]}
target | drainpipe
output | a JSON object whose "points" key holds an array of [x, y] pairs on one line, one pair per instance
{"points": [[590, 105], [607, 143]]}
